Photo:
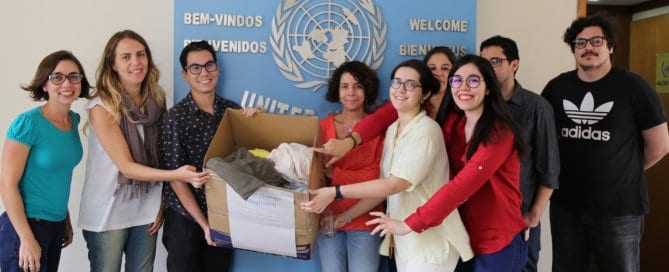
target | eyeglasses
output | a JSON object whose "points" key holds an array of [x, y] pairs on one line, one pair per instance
{"points": [[409, 84], [496, 62], [196, 69], [595, 41], [473, 81], [59, 79]]}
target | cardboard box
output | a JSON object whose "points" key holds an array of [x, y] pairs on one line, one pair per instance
{"points": [[271, 220]]}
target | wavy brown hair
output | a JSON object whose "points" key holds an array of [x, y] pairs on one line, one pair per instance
{"points": [[109, 87], [46, 67]]}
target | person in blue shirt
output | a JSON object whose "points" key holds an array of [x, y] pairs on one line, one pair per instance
{"points": [[41, 149]]}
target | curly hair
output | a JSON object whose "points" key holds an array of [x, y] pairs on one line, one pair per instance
{"points": [[579, 24], [363, 74], [46, 67]]}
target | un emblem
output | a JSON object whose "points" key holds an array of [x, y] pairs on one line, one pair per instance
{"points": [[312, 38]]}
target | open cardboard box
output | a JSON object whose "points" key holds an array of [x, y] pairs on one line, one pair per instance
{"points": [[271, 220]]}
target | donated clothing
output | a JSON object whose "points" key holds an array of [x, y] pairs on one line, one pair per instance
{"points": [[293, 161], [100, 209], [244, 172], [259, 152], [601, 147], [46, 179], [418, 155]]}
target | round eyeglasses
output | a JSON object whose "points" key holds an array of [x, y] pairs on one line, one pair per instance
{"points": [[59, 79], [196, 69], [473, 81], [409, 85], [595, 41]]}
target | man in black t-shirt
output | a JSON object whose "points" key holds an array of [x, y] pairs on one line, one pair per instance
{"points": [[611, 128]]}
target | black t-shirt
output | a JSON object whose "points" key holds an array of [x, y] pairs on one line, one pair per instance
{"points": [[599, 127]]}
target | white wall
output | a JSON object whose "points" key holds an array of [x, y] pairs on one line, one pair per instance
{"points": [[32, 29]]}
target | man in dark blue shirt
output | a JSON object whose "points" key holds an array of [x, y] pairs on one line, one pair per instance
{"points": [[540, 167], [186, 131]]}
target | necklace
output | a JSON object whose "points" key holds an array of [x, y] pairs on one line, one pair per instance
{"points": [[348, 126]]}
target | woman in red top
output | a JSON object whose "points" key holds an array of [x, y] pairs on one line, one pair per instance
{"points": [[483, 146], [355, 86]]}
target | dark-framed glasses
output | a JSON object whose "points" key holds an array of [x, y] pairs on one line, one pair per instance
{"points": [[409, 84], [496, 62], [58, 79], [595, 41], [196, 69], [473, 81]]}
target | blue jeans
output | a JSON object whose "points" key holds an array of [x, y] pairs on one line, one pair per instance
{"points": [[349, 250], [614, 241], [106, 249], [511, 258], [48, 234], [533, 248]]}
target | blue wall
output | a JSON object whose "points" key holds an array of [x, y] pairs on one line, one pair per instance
{"points": [[279, 55]]}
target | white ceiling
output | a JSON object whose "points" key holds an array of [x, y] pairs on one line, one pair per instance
{"points": [[616, 2]]}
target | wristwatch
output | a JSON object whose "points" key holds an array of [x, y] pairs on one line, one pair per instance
{"points": [[338, 195]]}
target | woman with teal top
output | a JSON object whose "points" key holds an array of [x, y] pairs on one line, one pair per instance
{"points": [[41, 149]]}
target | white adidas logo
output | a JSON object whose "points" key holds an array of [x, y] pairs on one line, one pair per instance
{"points": [[587, 115]]}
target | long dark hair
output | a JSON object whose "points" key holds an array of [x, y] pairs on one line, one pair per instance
{"points": [[495, 109]]}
